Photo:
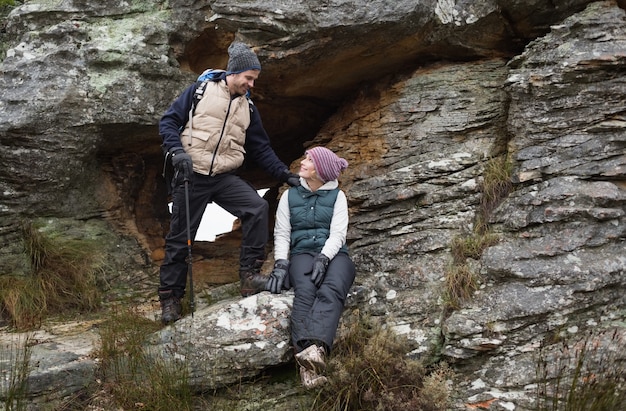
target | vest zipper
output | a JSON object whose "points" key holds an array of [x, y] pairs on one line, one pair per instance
{"points": [[219, 141]]}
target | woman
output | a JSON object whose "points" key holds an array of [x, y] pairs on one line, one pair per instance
{"points": [[310, 249]]}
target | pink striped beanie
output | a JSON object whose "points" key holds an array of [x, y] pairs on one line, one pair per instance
{"points": [[328, 165]]}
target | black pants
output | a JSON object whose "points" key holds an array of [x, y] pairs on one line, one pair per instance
{"points": [[316, 311], [231, 193]]}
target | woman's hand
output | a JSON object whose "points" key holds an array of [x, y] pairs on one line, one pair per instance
{"points": [[320, 264], [277, 276]]}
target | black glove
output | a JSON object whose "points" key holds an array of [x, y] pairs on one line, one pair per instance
{"points": [[292, 179], [183, 167], [277, 276], [320, 264]]}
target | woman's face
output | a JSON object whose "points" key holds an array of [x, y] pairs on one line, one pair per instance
{"points": [[307, 168]]}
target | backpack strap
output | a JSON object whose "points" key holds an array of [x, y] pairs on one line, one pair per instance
{"points": [[203, 81], [197, 96]]}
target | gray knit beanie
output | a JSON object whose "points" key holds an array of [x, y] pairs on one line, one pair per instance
{"points": [[241, 58]]}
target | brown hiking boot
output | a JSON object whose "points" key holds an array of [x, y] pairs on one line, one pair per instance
{"points": [[252, 281], [170, 307]]}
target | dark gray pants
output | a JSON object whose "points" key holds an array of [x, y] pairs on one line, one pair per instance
{"points": [[316, 311], [231, 193]]}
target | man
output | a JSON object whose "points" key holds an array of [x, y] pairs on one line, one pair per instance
{"points": [[206, 147]]}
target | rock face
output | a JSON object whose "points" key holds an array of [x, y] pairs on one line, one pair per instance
{"points": [[229, 341], [420, 97]]}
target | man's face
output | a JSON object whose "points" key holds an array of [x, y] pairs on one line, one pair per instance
{"points": [[239, 84]]}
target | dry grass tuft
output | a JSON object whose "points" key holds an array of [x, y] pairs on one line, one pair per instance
{"points": [[460, 284], [63, 279], [460, 280], [14, 387], [369, 370], [582, 375], [132, 378], [496, 185], [471, 246]]}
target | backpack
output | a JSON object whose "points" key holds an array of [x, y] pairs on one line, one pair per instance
{"points": [[202, 81]]}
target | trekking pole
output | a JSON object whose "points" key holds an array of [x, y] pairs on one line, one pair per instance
{"points": [[192, 302]]}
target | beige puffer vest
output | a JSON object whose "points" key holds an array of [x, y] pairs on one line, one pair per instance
{"points": [[218, 131]]}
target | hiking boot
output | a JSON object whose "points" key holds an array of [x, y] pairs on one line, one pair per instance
{"points": [[252, 281], [170, 307], [312, 358], [310, 379]]}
